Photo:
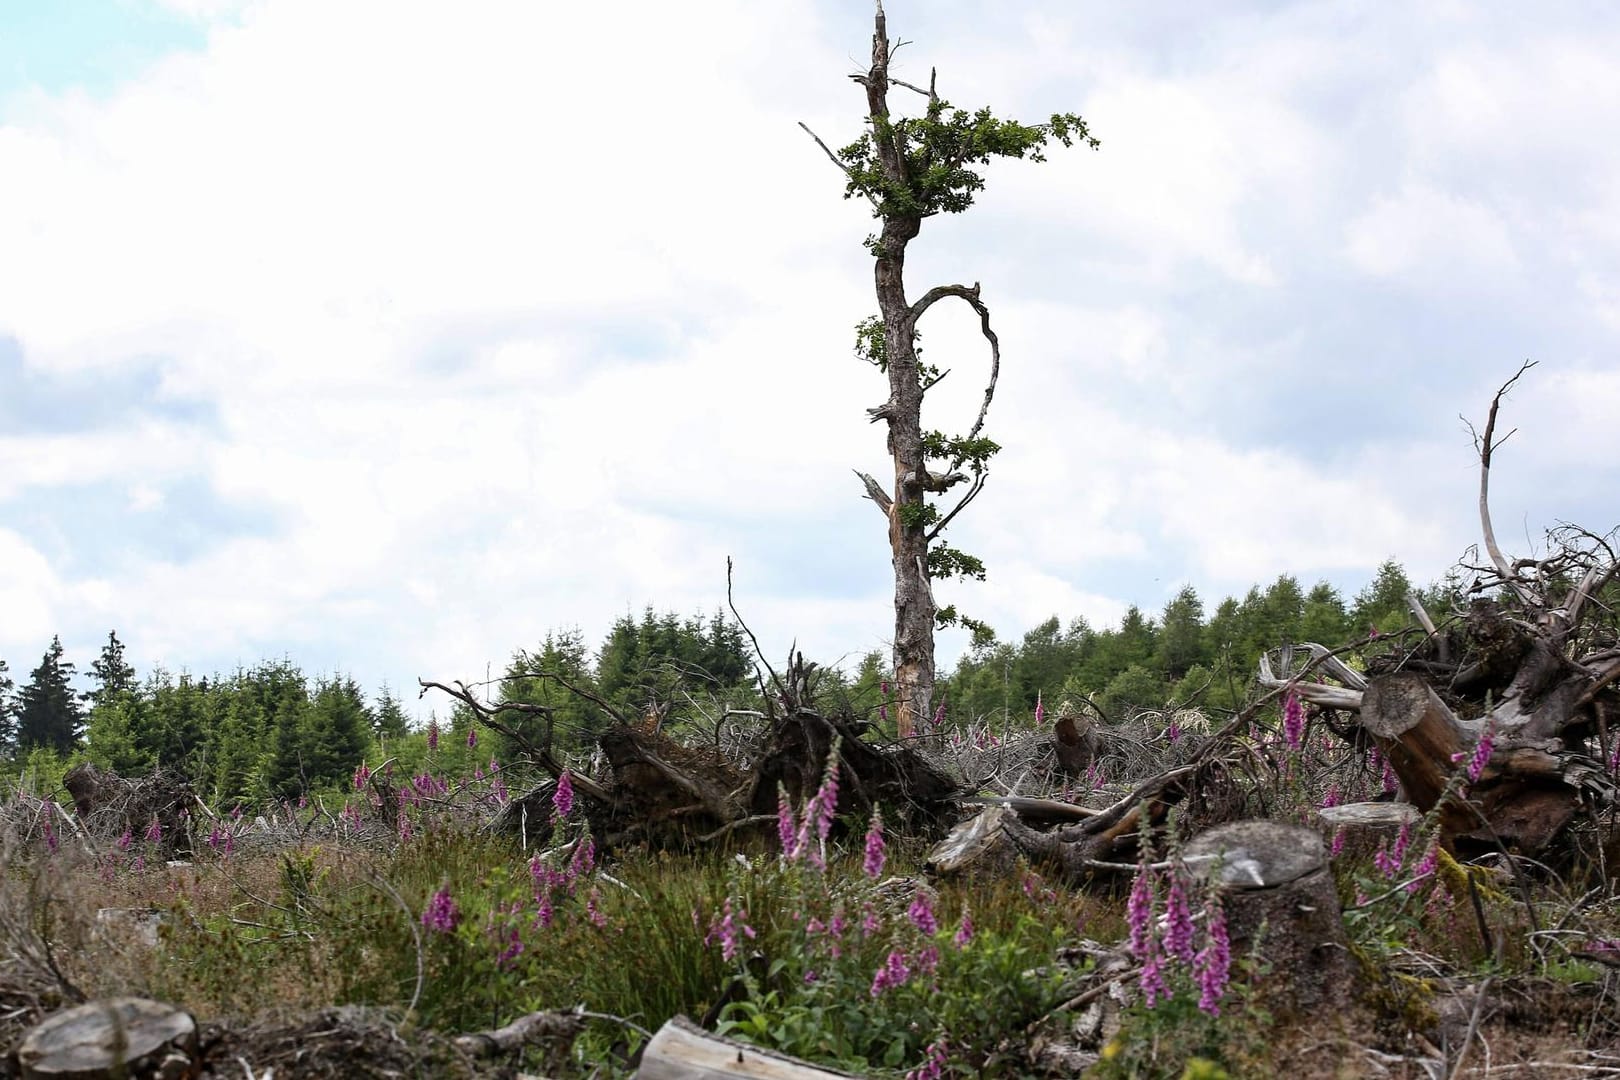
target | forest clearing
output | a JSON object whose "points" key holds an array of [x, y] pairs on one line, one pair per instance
{"points": [[1298, 835]]}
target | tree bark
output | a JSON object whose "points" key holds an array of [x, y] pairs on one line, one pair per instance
{"points": [[683, 1051], [914, 606]]}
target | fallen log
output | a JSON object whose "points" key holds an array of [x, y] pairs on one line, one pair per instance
{"points": [[1528, 791], [683, 1051], [1108, 839], [110, 1040], [542, 1026]]}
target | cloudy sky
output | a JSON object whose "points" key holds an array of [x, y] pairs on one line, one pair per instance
{"points": [[388, 335]]}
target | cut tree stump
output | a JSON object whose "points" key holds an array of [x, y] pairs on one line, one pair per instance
{"points": [[1365, 826], [977, 846], [683, 1051], [1278, 891], [110, 1040]]}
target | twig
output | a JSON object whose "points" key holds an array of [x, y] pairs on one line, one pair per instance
{"points": [[775, 679], [1486, 447], [416, 936], [1473, 1027]]}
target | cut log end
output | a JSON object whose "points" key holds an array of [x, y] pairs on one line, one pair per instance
{"points": [[106, 1039]]}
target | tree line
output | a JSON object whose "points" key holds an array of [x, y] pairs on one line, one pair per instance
{"points": [[273, 732]]}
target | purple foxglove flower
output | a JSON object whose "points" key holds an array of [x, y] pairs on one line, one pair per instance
{"points": [[1293, 720], [514, 949], [826, 799], [433, 734], [1213, 965], [1482, 754], [593, 910], [786, 827], [472, 737], [1154, 987], [964, 932], [1040, 709], [562, 800], [1425, 868], [441, 915], [921, 913], [1139, 913], [1178, 930], [584, 860], [872, 863], [154, 831], [894, 972]]}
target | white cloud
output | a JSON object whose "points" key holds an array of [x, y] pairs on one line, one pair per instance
{"points": [[1430, 239], [521, 315]]}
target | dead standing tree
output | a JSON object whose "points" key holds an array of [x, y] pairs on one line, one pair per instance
{"points": [[1524, 681], [909, 169]]}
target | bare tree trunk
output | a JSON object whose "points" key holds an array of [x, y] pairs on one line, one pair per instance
{"points": [[908, 530]]}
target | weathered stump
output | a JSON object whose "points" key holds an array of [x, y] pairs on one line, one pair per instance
{"points": [[977, 846], [1075, 741], [103, 1040], [1363, 827], [1280, 900]]}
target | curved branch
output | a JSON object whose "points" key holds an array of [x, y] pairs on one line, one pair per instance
{"points": [[1486, 447], [971, 494], [971, 296]]}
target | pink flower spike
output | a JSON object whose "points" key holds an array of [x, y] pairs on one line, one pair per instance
{"points": [[1178, 931], [964, 932], [1139, 913], [1293, 720], [786, 827], [472, 737], [921, 913], [1482, 755], [1212, 967], [874, 855], [433, 734], [441, 915], [1040, 709], [154, 831], [562, 800]]}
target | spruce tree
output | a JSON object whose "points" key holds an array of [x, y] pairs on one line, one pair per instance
{"points": [[112, 673], [8, 718], [388, 719], [48, 710]]}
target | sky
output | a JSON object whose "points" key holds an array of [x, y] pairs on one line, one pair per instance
{"points": [[388, 336]]}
